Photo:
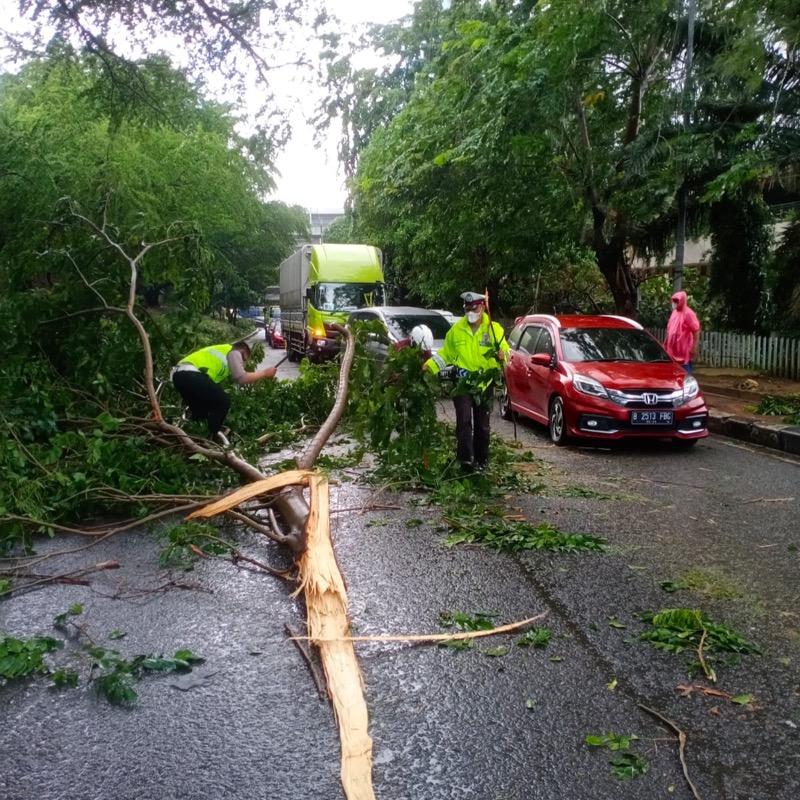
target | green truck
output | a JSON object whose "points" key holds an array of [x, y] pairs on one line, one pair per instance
{"points": [[320, 285]]}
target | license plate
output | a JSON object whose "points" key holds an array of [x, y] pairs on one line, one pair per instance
{"points": [[651, 417]]}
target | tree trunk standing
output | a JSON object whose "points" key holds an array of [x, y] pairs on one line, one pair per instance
{"points": [[612, 260], [617, 272]]}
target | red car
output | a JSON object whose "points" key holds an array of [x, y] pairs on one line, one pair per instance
{"points": [[599, 377], [274, 335]]}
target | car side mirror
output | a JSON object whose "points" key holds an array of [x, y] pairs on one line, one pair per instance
{"points": [[309, 294], [542, 360]]}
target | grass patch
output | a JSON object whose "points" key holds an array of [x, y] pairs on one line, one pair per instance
{"points": [[586, 492], [708, 582]]}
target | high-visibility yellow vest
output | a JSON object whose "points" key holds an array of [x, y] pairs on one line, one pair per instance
{"points": [[212, 360], [468, 350]]}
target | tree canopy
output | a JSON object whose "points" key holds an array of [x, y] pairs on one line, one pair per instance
{"points": [[514, 142]]}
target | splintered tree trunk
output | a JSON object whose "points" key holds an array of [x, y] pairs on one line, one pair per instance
{"points": [[324, 588], [328, 629]]}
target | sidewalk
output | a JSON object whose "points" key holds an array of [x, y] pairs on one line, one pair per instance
{"points": [[731, 394]]}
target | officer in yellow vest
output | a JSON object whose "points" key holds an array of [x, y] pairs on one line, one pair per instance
{"points": [[473, 344], [198, 377]]}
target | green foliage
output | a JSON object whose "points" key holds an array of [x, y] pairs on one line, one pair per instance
{"points": [[628, 765], [83, 468], [612, 740], [283, 406], [22, 657], [514, 536], [523, 146], [783, 282], [740, 236], [188, 541], [344, 230], [624, 766], [679, 629], [480, 621], [535, 637], [119, 676], [787, 406], [392, 409]]}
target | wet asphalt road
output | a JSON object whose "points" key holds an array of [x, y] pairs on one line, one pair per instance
{"points": [[446, 724]]}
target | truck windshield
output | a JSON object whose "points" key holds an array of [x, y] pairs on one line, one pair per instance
{"points": [[348, 296]]}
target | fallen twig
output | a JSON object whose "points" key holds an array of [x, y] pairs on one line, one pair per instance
{"points": [[681, 744], [64, 577], [319, 680], [298, 431], [707, 671], [285, 574], [372, 507], [434, 637], [768, 500]]}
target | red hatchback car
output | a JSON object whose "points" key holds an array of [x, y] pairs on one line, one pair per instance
{"points": [[599, 377]]}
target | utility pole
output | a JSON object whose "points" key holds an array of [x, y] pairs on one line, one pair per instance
{"points": [[680, 233]]}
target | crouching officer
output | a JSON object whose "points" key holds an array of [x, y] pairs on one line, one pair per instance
{"points": [[474, 344], [198, 377]]}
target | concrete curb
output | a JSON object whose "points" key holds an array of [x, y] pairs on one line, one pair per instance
{"points": [[778, 436]]}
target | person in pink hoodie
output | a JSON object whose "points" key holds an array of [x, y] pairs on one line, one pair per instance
{"points": [[683, 332]]}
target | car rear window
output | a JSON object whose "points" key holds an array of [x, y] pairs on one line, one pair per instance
{"points": [[403, 324], [610, 344]]}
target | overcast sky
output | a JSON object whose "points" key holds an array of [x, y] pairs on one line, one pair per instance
{"points": [[310, 177]]}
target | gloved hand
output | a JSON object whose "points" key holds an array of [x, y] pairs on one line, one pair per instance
{"points": [[452, 373]]}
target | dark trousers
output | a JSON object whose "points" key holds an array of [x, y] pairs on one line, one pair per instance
{"points": [[206, 399], [472, 430]]}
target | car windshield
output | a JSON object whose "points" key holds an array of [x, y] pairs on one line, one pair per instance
{"points": [[348, 296], [401, 325], [610, 344]]}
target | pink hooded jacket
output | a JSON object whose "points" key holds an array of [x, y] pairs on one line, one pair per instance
{"points": [[681, 328]]}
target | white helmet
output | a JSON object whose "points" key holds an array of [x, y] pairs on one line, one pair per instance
{"points": [[422, 337]]}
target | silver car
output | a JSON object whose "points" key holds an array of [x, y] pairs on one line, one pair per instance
{"points": [[399, 322]]}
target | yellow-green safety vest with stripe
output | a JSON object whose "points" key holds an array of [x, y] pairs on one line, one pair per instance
{"points": [[468, 350], [212, 360]]}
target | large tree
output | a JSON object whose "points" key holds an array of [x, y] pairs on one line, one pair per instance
{"points": [[193, 182], [540, 129]]}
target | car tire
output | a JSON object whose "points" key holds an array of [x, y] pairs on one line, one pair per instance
{"points": [[506, 412], [557, 422]]}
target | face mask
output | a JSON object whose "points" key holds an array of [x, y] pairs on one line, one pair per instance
{"points": [[473, 317], [675, 306]]}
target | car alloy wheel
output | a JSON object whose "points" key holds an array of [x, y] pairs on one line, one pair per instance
{"points": [[557, 422]]}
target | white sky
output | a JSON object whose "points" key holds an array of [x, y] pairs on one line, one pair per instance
{"points": [[310, 177]]}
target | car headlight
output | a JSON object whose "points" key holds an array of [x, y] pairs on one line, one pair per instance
{"points": [[589, 386], [690, 388]]}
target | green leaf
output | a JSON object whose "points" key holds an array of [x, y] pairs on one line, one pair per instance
{"points": [[118, 688], [743, 699], [628, 766], [531, 703], [497, 652], [117, 634]]}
